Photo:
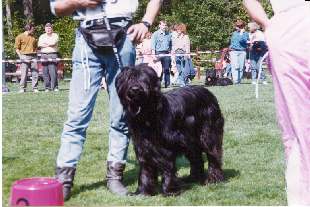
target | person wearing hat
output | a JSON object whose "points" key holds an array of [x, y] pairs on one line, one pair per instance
{"points": [[48, 43], [238, 46]]}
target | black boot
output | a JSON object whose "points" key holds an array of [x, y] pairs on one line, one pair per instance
{"points": [[115, 177], [65, 175]]}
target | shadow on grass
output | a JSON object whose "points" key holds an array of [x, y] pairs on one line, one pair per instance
{"points": [[88, 187], [131, 177]]}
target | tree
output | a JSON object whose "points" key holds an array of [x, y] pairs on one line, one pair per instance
{"points": [[209, 22], [28, 12], [9, 19]]}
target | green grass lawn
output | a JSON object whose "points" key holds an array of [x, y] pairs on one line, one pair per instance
{"points": [[253, 153]]}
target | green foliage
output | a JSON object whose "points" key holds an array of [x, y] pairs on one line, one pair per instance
{"points": [[210, 22]]}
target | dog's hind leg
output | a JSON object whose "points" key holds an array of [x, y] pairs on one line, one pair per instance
{"points": [[212, 142], [197, 172]]}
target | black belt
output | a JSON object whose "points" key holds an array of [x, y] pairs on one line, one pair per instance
{"points": [[96, 22], [48, 53], [30, 54], [162, 52], [239, 50]]}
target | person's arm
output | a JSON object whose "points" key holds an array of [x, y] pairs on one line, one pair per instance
{"points": [[17, 46], [137, 31], [188, 44], [67, 7], [55, 41], [153, 42], [41, 43], [256, 12]]}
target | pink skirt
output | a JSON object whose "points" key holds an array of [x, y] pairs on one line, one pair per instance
{"points": [[288, 39]]}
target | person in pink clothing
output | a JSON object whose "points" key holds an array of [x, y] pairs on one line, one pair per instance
{"points": [[146, 52], [288, 39]]}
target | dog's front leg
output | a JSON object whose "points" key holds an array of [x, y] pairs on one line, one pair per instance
{"points": [[170, 183], [147, 180]]}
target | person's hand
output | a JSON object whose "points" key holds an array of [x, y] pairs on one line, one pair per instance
{"points": [[265, 24], [137, 32], [88, 3]]}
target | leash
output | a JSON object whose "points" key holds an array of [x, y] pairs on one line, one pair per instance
{"points": [[115, 50]]}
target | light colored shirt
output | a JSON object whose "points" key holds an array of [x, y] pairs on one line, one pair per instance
{"points": [[51, 40], [257, 36], [26, 43], [161, 41], [181, 42], [112, 8]]}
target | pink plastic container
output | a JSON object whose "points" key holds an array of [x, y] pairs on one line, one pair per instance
{"points": [[39, 191]]}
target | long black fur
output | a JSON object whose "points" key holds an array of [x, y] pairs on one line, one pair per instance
{"points": [[213, 80], [186, 121]]}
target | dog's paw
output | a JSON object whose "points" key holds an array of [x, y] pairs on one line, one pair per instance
{"points": [[214, 176], [172, 193], [172, 190], [141, 193]]}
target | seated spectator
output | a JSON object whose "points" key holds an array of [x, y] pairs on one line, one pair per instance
{"points": [[223, 67]]}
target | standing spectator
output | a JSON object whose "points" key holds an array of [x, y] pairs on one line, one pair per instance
{"points": [[288, 40], [161, 44], [181, 45], [258, 49], [26, 48], [238, 46], [89, 66], [146, 52], [48, 44]]}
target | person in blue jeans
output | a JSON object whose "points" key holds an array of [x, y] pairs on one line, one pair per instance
{"points": [[238, 46], [161, 42], [258, 49], [89, 66]]}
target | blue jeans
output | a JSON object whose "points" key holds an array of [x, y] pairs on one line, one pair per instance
{"points": [[237, 61], [228, 70], [82, 102], [255, 61], [180, 64], [166, 64]]}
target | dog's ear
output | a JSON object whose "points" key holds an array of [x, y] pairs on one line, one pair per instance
{"points": [[121, 79]]}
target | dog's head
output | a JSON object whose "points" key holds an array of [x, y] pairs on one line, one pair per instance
{"points": [[138, 88], [210, 77]]}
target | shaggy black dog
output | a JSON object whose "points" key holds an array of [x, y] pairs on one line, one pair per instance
{"points": [[213, 80], [186, 121]]}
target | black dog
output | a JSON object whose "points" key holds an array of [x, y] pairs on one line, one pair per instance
{"points": [[186, 121], [213, 80]]}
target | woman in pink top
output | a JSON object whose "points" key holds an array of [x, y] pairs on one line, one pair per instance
{"points": [[146, 50], [288, 38]]}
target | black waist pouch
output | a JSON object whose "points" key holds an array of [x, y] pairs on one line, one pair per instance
{"points": [[99, 38]]}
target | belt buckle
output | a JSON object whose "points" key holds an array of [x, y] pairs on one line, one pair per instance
{"points": [[99, 21], [87, 23]]}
